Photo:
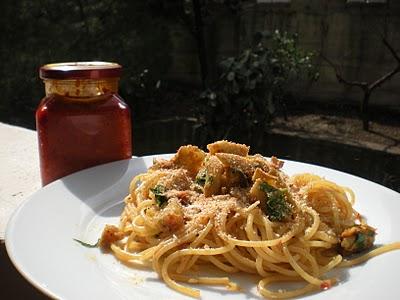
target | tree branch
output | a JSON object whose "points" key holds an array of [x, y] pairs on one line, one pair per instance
{"points": [[388, 75], [394, 53], [361, 84], [199, 29], [365, 86]]}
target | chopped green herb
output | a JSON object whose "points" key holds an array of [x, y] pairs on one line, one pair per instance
{"points": [[266, 188], [87, 244], [360, 241], [159, 193], [357, 238], [202, 178], [275, 207]]}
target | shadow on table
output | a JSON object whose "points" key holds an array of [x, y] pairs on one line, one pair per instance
{"points": [[104, 187]]}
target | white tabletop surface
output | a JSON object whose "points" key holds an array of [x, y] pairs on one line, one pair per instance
{"points": [[19, 169]]}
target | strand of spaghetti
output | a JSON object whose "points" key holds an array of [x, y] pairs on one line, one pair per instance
{"points": [[178, 287], [346, 205], [310, 231], [144, 204], [281, 269], [256, 244], [164, 247], [351, 195], [219, 264], [266, 253], [236, 264], [347, 199], [309, 257], [304, 243], [151, 240], [267, 234], [149, 181], [130, 242], [243, 260], [373, 253], [260, 268], [127, 228], [229, 257], [140, 229], [311, 279], [267, 227], [251, 207], [201, 280], [243, 235], [333, 263], [320, 244], [133, 186], [148, 221], [221, 223], [143, 255], [282, 294], [336, 217], [258, 220], [127, 214], [232, 222], [122, 255], [192, 261], [324, 256], [135, 246], [194, 244], [325, 237], [274, 252]]}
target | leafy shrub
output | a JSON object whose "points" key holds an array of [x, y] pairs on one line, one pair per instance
{"points": [[253, 86]]}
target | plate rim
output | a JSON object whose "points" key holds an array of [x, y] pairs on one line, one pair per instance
{"points": [[14, 216]]}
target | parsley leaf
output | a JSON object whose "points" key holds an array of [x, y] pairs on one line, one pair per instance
{"points": [[275, 205], [87, 244], [160, 197], [266, 188], [202, 178], [360, 241]]}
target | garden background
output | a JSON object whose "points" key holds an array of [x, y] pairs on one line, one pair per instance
{"points": [[193, 73]]}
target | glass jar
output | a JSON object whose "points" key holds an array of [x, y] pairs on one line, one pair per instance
{"points": [[82, 121]]}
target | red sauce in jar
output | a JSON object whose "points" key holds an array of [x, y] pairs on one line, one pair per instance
{"points": [[80, 131]]}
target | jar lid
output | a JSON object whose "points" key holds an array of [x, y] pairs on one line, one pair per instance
{"points": [[81, 70]]}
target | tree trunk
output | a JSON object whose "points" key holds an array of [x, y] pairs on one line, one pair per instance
{"points": [[199, 30], [365, 110]]}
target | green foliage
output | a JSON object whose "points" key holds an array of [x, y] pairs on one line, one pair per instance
{"points": [[45, 31], [159, 194], [254, 85], [87, 245], [275, 206], [145, 87], [201, 178]]}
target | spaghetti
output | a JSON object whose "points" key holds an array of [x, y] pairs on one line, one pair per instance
{"points": [[239, 213]]}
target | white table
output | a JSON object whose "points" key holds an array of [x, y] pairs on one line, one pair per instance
{"points": [[19, 169], [19, 178]]}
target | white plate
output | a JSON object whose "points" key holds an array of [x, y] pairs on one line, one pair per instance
{"points": [[39, 240]]}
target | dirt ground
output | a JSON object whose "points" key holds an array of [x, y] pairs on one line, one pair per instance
{"points": [[347, 130]]}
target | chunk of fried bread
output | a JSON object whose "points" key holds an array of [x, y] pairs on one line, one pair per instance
{"points": [[236, 162], [214, 169], [228, 147]]}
